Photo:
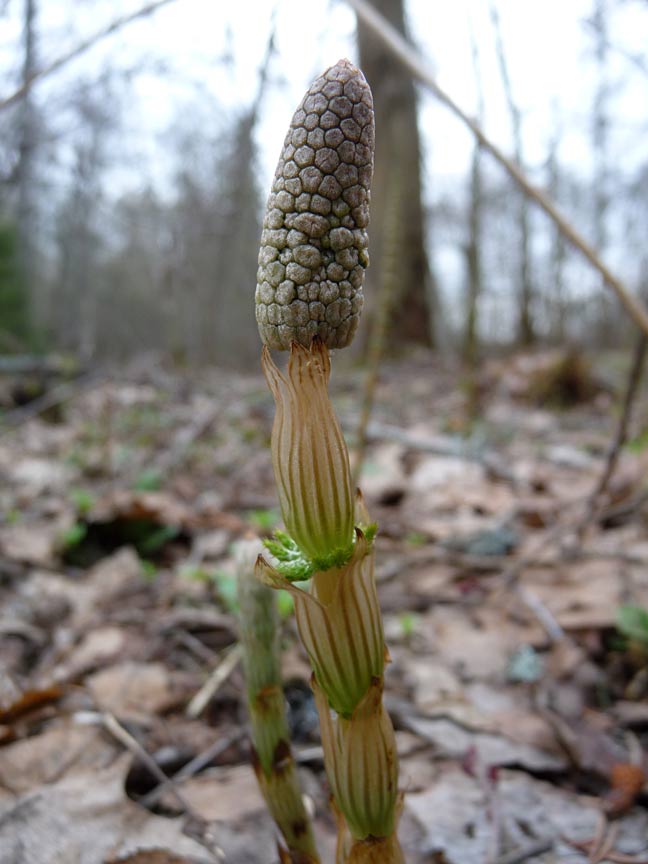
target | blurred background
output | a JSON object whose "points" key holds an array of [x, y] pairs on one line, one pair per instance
{"points": [[493, 401], [133, 175]]}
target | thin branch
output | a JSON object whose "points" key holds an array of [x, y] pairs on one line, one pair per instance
{"points": [[514, 111], [542, 614], [51, 399], [119, 733], [202, 760], [218, 677], [636, 60], [634, 379], [473, 247], [525, 290], [621, 435], [439, 446], [78, 50], [409, 57]]}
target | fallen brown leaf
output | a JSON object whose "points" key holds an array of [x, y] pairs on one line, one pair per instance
{"points": [[627, 782], [30, 701]]}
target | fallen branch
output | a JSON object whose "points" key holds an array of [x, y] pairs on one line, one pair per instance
{"points": [[114, 728], [29, 364], [521, 855], [621, 435], [543, 615], [217, 678], [503, 565], [54, 397], [438, 446], [186, 438], [407, 55], [199, 825], [192, 767], [624, 510]]}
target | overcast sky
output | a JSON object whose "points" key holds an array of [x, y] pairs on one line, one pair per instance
{"points": [[548, 45], [196, 62]]}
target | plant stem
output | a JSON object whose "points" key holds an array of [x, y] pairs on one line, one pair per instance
{"points": [[272, 759]]}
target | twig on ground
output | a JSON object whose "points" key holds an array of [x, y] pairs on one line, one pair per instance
{"points": [[408, 55], [438, 446], [114, 727], [521, 855], [511, 578], [54, 397], [565, 735], [186, 437], [195, 646], [542, 613], [600, 848], [624, 509], [502, 564], [217, 678], [512, 574], [621, 434], [488, 784], [191, 768]]}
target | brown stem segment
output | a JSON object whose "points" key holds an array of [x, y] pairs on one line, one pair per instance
{"points": [[272, 759]]}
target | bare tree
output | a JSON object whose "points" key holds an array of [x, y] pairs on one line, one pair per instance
{"points": [[473, 248], [403, 51], [25, 171], [135, 311], [215, 228], [558, 251], [525, 289], [235, 328], [79, 238], [602, 181], [398, 151], [601, 127]]}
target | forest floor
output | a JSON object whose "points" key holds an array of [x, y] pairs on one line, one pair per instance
{"points": [[520, 707]]}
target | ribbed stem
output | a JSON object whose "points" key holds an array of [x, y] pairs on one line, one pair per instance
{"points": [[339, 618], [273, 763], [308, 299]]}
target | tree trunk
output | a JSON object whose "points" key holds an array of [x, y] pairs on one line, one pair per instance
{"points": [[526, 335], [600, 129], [470, 348], [557, 300], [473, 249], [397, 152], [25, 170]]}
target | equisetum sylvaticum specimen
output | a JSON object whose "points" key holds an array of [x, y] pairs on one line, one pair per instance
{"points": [[308, 299], [272, 759]]}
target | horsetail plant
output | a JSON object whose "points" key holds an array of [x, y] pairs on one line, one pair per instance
{"points": [[272, 759], [308, 299]]}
